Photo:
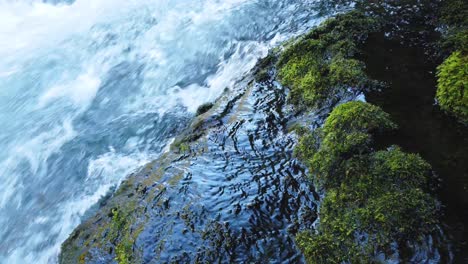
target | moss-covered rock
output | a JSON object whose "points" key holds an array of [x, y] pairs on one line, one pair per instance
{"points": [[346, 132], [263, 67], [120, 224], [321, 64], [374, 199], [113, 231], [452, 86], [203, 108]]}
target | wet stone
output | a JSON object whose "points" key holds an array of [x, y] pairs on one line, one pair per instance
{"points": [[239, 199], [235, 194]]}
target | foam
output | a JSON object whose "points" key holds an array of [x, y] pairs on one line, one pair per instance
{"points": [[80, 91], [35, 151], [66, 90]]}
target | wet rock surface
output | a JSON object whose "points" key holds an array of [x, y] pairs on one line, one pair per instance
{"points": [[235, 194]]}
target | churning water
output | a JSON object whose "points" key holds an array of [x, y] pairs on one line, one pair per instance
{"points": [[92, 89]]}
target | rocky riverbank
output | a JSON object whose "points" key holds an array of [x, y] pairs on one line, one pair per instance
{"points": [[230, 189]]}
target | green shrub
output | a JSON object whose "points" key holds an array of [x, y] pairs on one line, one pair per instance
{"points": [[452, 87]]}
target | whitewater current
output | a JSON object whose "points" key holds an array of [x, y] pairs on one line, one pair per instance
{"points": [[91, 90]]}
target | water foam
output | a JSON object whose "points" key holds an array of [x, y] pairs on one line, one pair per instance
{"points": [[82, 85]]}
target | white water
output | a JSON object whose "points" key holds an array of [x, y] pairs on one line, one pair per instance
{"points": [[93, 89]]}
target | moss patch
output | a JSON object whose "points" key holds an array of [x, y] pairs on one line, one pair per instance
{"points": [[204, 108], [321, 64], [264, 65], [373, 198], [122, 235], [346, 132], [452, 85]]}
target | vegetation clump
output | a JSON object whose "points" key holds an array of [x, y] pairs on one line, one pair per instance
{"points": [[321, 64], [453, 19], [373, 199], [346, 133], [375, 202], [452, 86], [203, 108], [264, 65], [121, 226], [452, 82]]}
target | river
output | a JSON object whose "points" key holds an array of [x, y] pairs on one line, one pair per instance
{"points": [[91, 90]]}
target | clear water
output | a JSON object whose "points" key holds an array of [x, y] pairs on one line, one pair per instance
{"points": [[92, 89]]}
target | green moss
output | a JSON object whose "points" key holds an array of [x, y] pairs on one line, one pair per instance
{"points": [[346, 132], [347, 71], [357, 116], [121, 235], [373, 198], [299, 129], [181, 145], [123, 251], [308, 146], [184, 147], [456, 39], [203, 108], [321, 64], [261, 71], [118, 223], [365, 216], [399, 168], [452, 86]]}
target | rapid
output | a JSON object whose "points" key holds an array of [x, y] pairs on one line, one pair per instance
{"points": [[91, 90]]}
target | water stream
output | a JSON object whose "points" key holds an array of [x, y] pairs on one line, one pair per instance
{"points": [[91, 90]]}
